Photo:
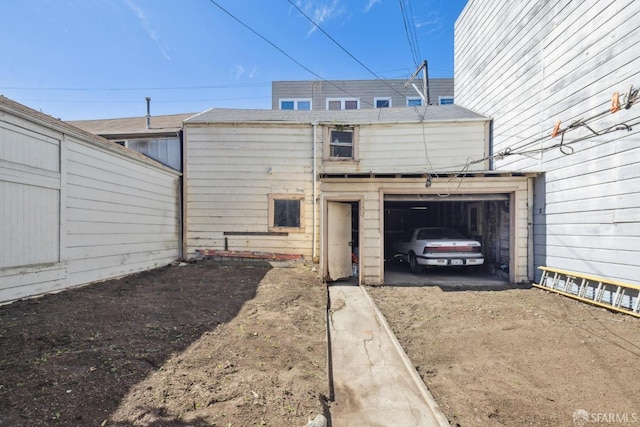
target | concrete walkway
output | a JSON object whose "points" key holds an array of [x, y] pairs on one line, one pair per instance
{"points": [[373, 379]]}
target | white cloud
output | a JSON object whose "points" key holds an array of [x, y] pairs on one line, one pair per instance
{"points": [[429, 24], [153, 35], [237, 71], [371, 4], [321, 11]]}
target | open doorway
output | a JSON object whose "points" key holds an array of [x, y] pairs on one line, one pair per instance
{"points": [[342, 236]]}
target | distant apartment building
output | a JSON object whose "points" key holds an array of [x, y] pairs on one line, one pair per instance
{"points": [[357, 94]]}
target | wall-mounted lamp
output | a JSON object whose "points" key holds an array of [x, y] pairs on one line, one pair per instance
{"points": [[428, 183]]}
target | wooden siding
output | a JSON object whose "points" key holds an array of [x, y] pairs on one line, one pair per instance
{"points": [[77, 209], [364, 90], [529, 64], [416, 148], [121, 216], [231, 170]]}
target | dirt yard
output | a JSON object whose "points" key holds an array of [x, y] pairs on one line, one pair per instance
{"points": [[196, 345], [518, 357], [214, 345]]}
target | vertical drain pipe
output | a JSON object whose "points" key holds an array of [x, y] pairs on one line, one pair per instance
{"points": [[148, 112], [314, 251]]}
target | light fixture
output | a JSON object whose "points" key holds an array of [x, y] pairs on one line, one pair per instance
{"points": [[428, 183]]}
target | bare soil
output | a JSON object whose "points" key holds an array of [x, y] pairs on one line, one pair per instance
{"points": [[224, 345], [518, 357], [202, 344]]}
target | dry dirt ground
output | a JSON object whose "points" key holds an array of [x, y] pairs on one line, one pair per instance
{"points": [[199, 345], [518, 357], [214, 345]]}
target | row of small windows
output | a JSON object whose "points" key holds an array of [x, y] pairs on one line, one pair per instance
{"points": [[354, 103]]}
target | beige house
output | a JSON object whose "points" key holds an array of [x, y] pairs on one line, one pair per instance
{"points": [[333, 186]]}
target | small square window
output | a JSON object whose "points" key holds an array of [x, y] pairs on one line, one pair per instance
{"points": [[340, 143], [414, 102], [382, 102], [286, 105], [351, 105], [334, 105], [445, 100], [286, 212], [304, 105]]}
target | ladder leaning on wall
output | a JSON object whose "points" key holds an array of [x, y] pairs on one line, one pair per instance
{"points": [[611, 294]]}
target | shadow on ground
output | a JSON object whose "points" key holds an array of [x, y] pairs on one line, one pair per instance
{"points": [[70, 358]]}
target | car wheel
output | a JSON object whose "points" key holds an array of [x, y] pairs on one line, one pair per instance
{"points": [[413, 263]]}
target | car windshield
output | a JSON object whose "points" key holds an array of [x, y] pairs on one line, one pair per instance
{"points": [[439, 233]]}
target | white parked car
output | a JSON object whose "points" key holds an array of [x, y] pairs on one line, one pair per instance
{"points": [[437, 246]]}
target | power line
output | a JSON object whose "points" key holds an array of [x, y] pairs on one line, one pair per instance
{"points": [[114, 89], [408, 33], [279, 49], [344, 49]]}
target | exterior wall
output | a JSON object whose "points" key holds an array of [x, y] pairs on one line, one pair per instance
{"points": [[121, 216], [416, 148], [371, 194], [230, 172], [529, 64], [233, 168], [364, 90], [77, 209], [166, 150]]}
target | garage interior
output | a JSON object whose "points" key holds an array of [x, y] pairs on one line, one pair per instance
{"points": [[483, 217]]}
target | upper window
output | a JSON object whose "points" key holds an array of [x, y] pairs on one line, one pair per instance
{"points": [[445, 100], [414, 101], [343, 104], [340, 142], [382, 102], [286, 212], [295, 104]]}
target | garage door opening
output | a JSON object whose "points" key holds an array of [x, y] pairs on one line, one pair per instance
{"points": [[484, 218]]}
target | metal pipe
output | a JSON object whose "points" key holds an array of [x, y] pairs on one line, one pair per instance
{"points": [[314, 251], [148, 112]]}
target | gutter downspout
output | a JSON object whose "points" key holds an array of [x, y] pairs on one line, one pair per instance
{"points": [[314, 251]]}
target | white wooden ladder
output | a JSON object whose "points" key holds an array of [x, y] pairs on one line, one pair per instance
{"points": [[611, 294]]}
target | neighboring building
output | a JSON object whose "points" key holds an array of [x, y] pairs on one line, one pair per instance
{"points": [[321, 95], [325, 184], [533, 65], [77, 208], [159, 137]]}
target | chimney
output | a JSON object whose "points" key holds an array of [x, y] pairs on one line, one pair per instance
{"points": [[148, 112]]}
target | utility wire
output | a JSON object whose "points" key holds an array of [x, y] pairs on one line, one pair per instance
{"points": [[279, 49], [344, 49], [408, 32]]}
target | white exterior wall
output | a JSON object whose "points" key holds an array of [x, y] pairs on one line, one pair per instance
{"points": [[417, 148], [528, 64], [76, 210], [230, 172]]}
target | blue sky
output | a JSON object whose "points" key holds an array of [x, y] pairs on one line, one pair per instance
{"points": [[90, 59]]}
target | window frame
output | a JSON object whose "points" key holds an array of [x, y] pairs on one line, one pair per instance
{"points": [[326, 142], [296, 102], [414, 98], [272, 212], [343, 101], [382, 98]]}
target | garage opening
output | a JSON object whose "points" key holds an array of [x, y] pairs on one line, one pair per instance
{"points": [[484, 218]]}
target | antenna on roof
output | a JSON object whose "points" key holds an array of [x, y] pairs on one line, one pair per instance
{"points": [[148, 112], [425, 82]]}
